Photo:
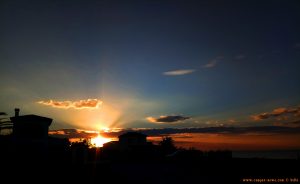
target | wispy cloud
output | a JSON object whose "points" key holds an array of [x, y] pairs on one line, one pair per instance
{"points": [[167, 119], [179, 72], [213, 62], [281, 113], [80, 104]]}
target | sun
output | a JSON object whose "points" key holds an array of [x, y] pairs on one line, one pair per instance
{"points": [[99, 141]]}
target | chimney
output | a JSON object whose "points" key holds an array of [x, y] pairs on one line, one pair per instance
{"points": [[17, 112]]}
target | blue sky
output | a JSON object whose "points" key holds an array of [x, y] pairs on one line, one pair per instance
{"points": [[211, 61]]}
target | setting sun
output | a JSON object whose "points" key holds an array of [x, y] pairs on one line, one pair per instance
{"points": [[99, 141]]}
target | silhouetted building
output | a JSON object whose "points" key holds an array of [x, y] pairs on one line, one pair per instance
{"points": [[127, 141], [30, 126], [131, 146], [133, 139], [30, 138]]}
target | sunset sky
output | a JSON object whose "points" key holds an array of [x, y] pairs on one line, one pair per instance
{"points": [[154, 64]]}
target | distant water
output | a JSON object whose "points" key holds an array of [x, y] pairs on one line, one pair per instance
{"points": [[274, 154]]}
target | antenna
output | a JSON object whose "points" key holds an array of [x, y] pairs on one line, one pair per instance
{"points": [[17, 112]]}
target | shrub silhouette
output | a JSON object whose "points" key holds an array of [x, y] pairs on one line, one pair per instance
{"points": [[167, 145]]}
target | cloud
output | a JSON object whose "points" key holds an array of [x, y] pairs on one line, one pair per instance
{"points": [[292, 128], [179, 72], [167, 119], [213, 62], [222, 130], [80, 104], [281, 113], [288, 124], [232, 121], [72, 133]]}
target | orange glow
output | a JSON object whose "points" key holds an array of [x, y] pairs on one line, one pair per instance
{"points": [[99, 140], [105, 129], [234, 142], [97, 120]]}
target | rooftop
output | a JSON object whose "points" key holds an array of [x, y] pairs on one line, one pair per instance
{"points": [[31, 119]]}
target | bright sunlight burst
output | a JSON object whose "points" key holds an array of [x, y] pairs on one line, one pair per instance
{"points": [[99, 140]]}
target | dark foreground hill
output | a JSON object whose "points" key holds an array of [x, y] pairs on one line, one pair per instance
{"points": [[154, 172]]}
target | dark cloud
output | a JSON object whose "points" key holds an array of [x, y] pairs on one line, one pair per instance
{"points": [[167, 119], [73, 133], [281, 113], [223, 130], [292, 124], [261, 130]]}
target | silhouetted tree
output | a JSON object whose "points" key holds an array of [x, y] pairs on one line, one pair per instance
{"points": [[81, 144], [79, 152], [167, 145]]}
